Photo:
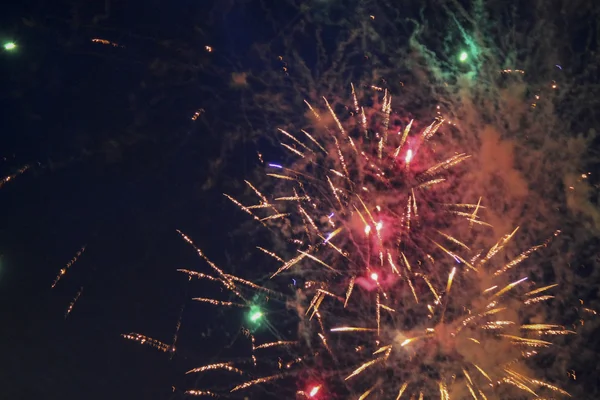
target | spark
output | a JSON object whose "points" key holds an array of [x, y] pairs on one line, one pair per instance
{"points": [[212, 367], [401, 390], [450, 279], [197, 114], [253, 382], [72, 303], [275, 344], [313, 392], [381, 249], [409, 156], [255, 316], [218, 302], [142, 339], [64, 270], [204, 393], [11, 177], [106, 42], [352, 329]]}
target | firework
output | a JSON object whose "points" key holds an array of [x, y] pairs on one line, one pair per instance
{"points": [[369, 182], [386, 301], [453, 343], [390, 304]]}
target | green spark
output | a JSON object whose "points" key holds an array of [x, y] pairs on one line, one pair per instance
{"points": [[10, 46], [463, 56], [255, 314]]}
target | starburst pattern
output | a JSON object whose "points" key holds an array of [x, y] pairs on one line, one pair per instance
{"points": [[390, 303]]}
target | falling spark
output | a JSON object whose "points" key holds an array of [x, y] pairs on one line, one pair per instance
{"points": [[197, 114], [11, 177], [145, 340], [64, 270], [212, 367], [364, 257], [72, 303], [203, 393], [106, 42]]}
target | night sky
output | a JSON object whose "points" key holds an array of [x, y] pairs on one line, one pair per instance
{"points": [[116, 164]]}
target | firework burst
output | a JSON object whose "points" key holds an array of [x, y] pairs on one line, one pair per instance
{"points": [[367, 180], [469, 338], [388, 302]]}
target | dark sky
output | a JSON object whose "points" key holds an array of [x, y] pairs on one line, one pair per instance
{"points": [[115, 164]]}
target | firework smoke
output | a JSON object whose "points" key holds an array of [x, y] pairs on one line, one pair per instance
{"points": [[365, 209], [422, 298]]}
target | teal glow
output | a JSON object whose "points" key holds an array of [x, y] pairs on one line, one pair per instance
{"points": [[255, 314]]}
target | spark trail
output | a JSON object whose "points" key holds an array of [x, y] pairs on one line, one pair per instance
{"points": [[391, 302]]}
